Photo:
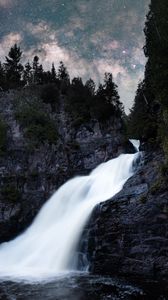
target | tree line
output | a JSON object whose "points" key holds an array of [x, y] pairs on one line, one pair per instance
{"points": [[84, 99], [14, 75], [148, 119]]}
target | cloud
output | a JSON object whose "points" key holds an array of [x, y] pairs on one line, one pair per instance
{"points": [[113, 45], [76, 22], [138, 55], [82, 7], [111, 66], [8, 41], [53, 52], [6, 3], [127, 84], [40, 30], [91, 38]]}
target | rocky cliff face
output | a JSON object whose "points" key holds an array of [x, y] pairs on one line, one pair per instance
{"points": [[29, 174], [127, 235]]}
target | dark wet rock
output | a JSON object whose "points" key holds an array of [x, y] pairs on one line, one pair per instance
{"points": [[81, 287], [128, 146], [127, 235], [35, 173]]}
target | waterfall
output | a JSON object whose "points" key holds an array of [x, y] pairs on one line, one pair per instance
{"points": [[136, 144], [47, 247]]}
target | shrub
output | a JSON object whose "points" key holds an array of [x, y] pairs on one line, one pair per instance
{"points": [[50, 94], [11, 194], [38, 126], [143, 199], [101, 110], [164, 171], [74, 145], [78, 122]]}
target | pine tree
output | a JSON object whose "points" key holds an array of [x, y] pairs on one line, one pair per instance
{"points": [[142, 123], [13, 66], [63, 77], [40, 74], [37, 71], [2, 77], [106, 104], [155, 87], [90, 86], [35, 63], [27, 74], [77, 83], [53, 73], [63, 73], [111, 93]]}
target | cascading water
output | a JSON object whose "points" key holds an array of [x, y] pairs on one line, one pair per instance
{"points": [[136, 144], [47, 247]]}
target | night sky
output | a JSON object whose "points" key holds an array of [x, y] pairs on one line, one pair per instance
{"points": [[90, 36]]}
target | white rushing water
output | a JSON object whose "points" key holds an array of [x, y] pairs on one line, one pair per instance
{"points": [[136, 144], [47, 247]]}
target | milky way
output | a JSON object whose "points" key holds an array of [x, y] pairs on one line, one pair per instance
{"points": [[90, 36]]}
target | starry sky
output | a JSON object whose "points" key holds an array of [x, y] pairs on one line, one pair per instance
{"points": [[91, 37]]}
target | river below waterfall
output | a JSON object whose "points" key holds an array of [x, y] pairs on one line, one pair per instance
{"points": [[78, 286], [38, 264]]}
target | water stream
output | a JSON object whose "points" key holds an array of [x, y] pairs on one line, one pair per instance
{"points": [[47, 247]]}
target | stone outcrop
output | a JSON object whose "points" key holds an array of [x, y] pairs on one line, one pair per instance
{"points": [[127, 235], [29, 175]]}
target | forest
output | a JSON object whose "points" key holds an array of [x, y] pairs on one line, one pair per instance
{"points": [[148, 119]]}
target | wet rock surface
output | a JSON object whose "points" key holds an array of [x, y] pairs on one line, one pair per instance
{"points": [[80, 287], [29, 176], [127, 235]]}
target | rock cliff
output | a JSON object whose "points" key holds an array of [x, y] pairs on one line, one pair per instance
{"points": [[30, 172], [127, 235]]}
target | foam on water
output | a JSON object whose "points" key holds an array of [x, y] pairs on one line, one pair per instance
{"points": [[47, 247]]}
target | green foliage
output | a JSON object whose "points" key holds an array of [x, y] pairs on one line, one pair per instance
{"points": [[38, 127], [53, 74], [164, 170], [90, 86], [149, 116], [156, 50], [13, 67], [142, 123], [78, 122], [73, 146], [81, 101], [3, 137], [106, 102], [11, 194], [143, 199], [64, 78], [156, 187], [37, 71], [2, 77], [27, 74], [50, 94], [34, 173], [85, 103], [63, 73], [78, 101], [101, 110]]}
